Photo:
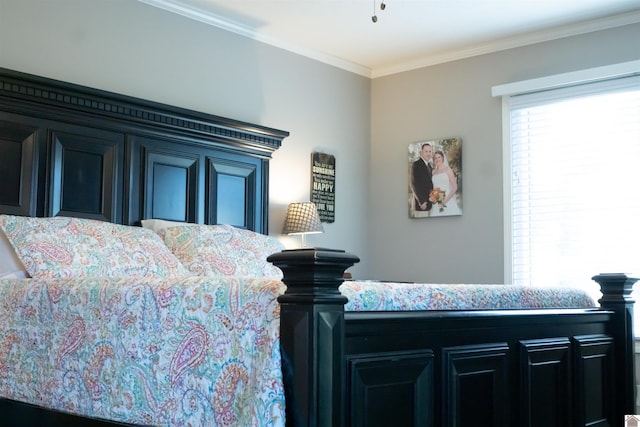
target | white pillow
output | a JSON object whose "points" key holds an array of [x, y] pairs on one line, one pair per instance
{"points": [[10, 265], [159, 224]]}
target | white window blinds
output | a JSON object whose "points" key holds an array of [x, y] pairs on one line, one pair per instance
{"points": [[575, 183]]}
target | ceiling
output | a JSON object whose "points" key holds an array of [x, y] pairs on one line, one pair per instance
{"points": [[408, 34]]}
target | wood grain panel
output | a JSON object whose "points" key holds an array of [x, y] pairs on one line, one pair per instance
{"points": [[18, 175], [594, 378], [234, 192], [384, 382], [86, 173], [475, 385], [546, 382]]}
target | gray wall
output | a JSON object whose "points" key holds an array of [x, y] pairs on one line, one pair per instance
{"points": [[454, 99], [129, 47]]}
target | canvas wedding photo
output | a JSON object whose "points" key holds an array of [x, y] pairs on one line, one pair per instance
{"points": [[435, 184]]}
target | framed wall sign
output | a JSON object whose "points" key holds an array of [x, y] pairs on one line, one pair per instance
{"points": [[323, 185]]}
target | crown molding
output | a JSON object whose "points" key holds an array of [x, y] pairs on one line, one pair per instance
{"points": [[511, 42], [175, 6]]}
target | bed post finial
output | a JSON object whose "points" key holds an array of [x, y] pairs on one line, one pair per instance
{"points": [[312, 334], [616, 296]]}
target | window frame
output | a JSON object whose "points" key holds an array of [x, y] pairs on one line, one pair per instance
{"points": [[558, 81]]}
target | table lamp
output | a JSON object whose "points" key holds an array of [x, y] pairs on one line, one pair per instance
{"points": [[303, 219]]}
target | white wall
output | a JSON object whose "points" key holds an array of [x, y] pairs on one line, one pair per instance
{"points": [[454, 99], [129, 47]]}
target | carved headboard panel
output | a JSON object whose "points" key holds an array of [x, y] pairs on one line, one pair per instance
{"points": [[75, 151]]}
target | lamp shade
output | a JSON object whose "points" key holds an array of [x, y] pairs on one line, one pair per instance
{"points": [[302, 218]]}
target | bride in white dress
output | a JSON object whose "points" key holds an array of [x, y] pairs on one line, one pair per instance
{"points": [[444, 179]]}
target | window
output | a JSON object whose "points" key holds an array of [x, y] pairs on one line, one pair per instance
{"points": [[573, 183]]}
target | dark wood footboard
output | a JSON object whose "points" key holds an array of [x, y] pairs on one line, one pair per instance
{"points": [[568, 367]]}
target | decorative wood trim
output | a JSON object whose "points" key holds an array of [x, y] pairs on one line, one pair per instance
{"points": [[594, 368], [381, 383], [74, 99], [47, 107], [466, 369], [544, 362], [19, 143], [312, 334], [616, 296]]}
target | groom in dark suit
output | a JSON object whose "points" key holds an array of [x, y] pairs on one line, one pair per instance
{"points": [[421, 184]]}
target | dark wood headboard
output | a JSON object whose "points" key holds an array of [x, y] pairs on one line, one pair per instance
{"points": [[70, 150]]}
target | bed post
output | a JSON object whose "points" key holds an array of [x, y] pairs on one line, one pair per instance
{"points": [[312, 334], [616, 296]]}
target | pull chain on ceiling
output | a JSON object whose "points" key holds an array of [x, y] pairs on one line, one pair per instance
{"points": [[374, 17]]}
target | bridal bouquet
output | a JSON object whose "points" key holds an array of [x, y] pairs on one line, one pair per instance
{"points": [[436, 196]]}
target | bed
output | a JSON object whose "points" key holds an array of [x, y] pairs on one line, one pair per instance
{"points": [[75, 154]]}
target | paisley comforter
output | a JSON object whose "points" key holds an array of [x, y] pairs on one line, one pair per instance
{"points": [[183, 352], [389, 296], [196, 351]]}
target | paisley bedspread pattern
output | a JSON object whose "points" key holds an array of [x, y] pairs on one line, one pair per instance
{"points": [[387, 296], [198, 351], [180, 352]]}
